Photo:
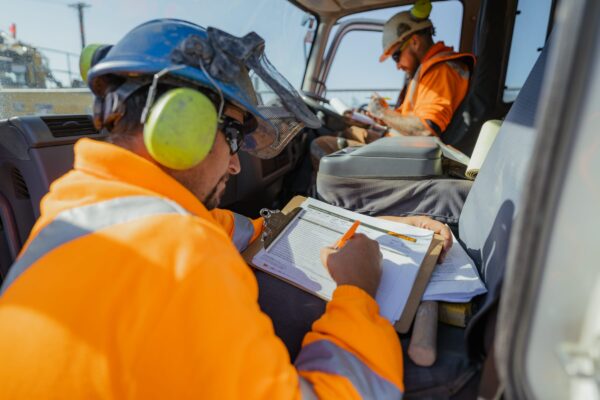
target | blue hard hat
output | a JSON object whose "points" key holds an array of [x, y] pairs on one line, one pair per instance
{"points": [[214, 60], [148, 49]]}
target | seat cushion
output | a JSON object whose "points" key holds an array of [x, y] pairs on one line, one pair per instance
{"points": [[440, 198]]}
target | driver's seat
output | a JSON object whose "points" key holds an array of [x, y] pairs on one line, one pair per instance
{"points": [[478, 105]]}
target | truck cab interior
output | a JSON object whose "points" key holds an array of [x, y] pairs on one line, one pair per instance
{"points": [[517, 45]]}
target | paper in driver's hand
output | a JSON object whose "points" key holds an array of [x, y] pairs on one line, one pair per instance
{"points": [[344, 110], [295, 254]]}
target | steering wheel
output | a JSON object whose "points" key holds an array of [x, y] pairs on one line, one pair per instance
{"points": [[330, 118], [316, 97], [363, 107], [319, 106]]}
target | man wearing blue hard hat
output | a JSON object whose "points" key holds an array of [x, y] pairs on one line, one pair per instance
{"points": [[131, 284]]}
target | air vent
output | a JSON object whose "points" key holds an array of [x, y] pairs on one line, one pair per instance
{"points": [[19, 184], [70, 125]]}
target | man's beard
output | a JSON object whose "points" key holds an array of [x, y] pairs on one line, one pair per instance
{"points": [[214, 197]]}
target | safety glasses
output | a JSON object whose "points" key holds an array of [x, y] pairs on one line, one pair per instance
{"points": [[397, 53], [234, 133]]}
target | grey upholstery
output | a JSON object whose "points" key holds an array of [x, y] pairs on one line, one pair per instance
{"points": [[494, 201], [441, 198], [34, 151], [393, 176], [386, 158]]}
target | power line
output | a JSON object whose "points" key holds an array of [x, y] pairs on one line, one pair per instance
{"points": [[80, 7]]}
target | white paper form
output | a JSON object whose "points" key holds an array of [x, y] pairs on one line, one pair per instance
{"points": [[295, 254], [455, 280]]}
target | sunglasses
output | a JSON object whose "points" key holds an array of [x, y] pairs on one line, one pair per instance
{"points": [[234, 133], [397, 53]]}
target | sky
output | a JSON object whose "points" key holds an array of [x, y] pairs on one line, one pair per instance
{"points": [[53, 24]]}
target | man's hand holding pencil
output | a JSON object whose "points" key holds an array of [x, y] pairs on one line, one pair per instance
{"points": [[354, 260]]}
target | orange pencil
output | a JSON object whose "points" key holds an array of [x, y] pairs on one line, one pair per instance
{"points": [[347, 235], [401, 236]]}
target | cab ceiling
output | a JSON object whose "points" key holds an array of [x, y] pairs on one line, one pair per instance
{"points": [[339, 8]]}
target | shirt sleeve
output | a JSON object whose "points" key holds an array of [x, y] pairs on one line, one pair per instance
{"points": [[352, 341], [241, 229], [213, 341], [440, 92]]}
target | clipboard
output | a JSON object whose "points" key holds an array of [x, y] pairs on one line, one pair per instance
{"points": [[403, 324]]}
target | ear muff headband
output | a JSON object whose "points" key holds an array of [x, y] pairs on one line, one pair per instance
{"points": [[181, 128]]}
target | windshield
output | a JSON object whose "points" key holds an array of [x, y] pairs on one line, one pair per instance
{"points": [[40, 43]]}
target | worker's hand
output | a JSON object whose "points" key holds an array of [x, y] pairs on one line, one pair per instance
{"points": [[377, 120], [358, 263], [377, 106], [427, 223]]}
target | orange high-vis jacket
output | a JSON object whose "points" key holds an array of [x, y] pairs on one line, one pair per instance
{"points": [[129, 288], [438, 87]]}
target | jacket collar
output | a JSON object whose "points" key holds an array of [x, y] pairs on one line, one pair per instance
{"points": [[438, 47], [109, 161]]}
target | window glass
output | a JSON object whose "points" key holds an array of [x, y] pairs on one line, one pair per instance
{"points": [[40, 42], [356, 71], [529, 36]]}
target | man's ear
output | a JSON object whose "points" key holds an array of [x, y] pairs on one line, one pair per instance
{"points": [[415, 42]]}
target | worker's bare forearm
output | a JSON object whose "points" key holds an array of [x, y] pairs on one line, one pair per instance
{"points": [[406, 125]]}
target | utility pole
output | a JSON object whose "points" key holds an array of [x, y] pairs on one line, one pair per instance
{"points": [[80, 6]]}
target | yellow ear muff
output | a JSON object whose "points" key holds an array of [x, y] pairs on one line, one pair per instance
{"points": [[181, 128], [86, 59]]}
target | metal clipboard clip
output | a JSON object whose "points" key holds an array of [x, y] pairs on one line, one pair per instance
{"points": [[273, 223]]}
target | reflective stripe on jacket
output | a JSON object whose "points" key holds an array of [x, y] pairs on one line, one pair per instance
{"points": [[438, 86], [129, 288]]}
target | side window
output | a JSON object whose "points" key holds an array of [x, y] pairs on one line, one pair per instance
{"points": [[529, 36], [356, 71]]}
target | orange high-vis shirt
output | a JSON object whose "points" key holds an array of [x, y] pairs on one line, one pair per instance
{"points": [[438, 87], [129, 288]]}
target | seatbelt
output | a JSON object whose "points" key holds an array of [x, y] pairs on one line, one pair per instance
{"points": [[490, 386]]}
